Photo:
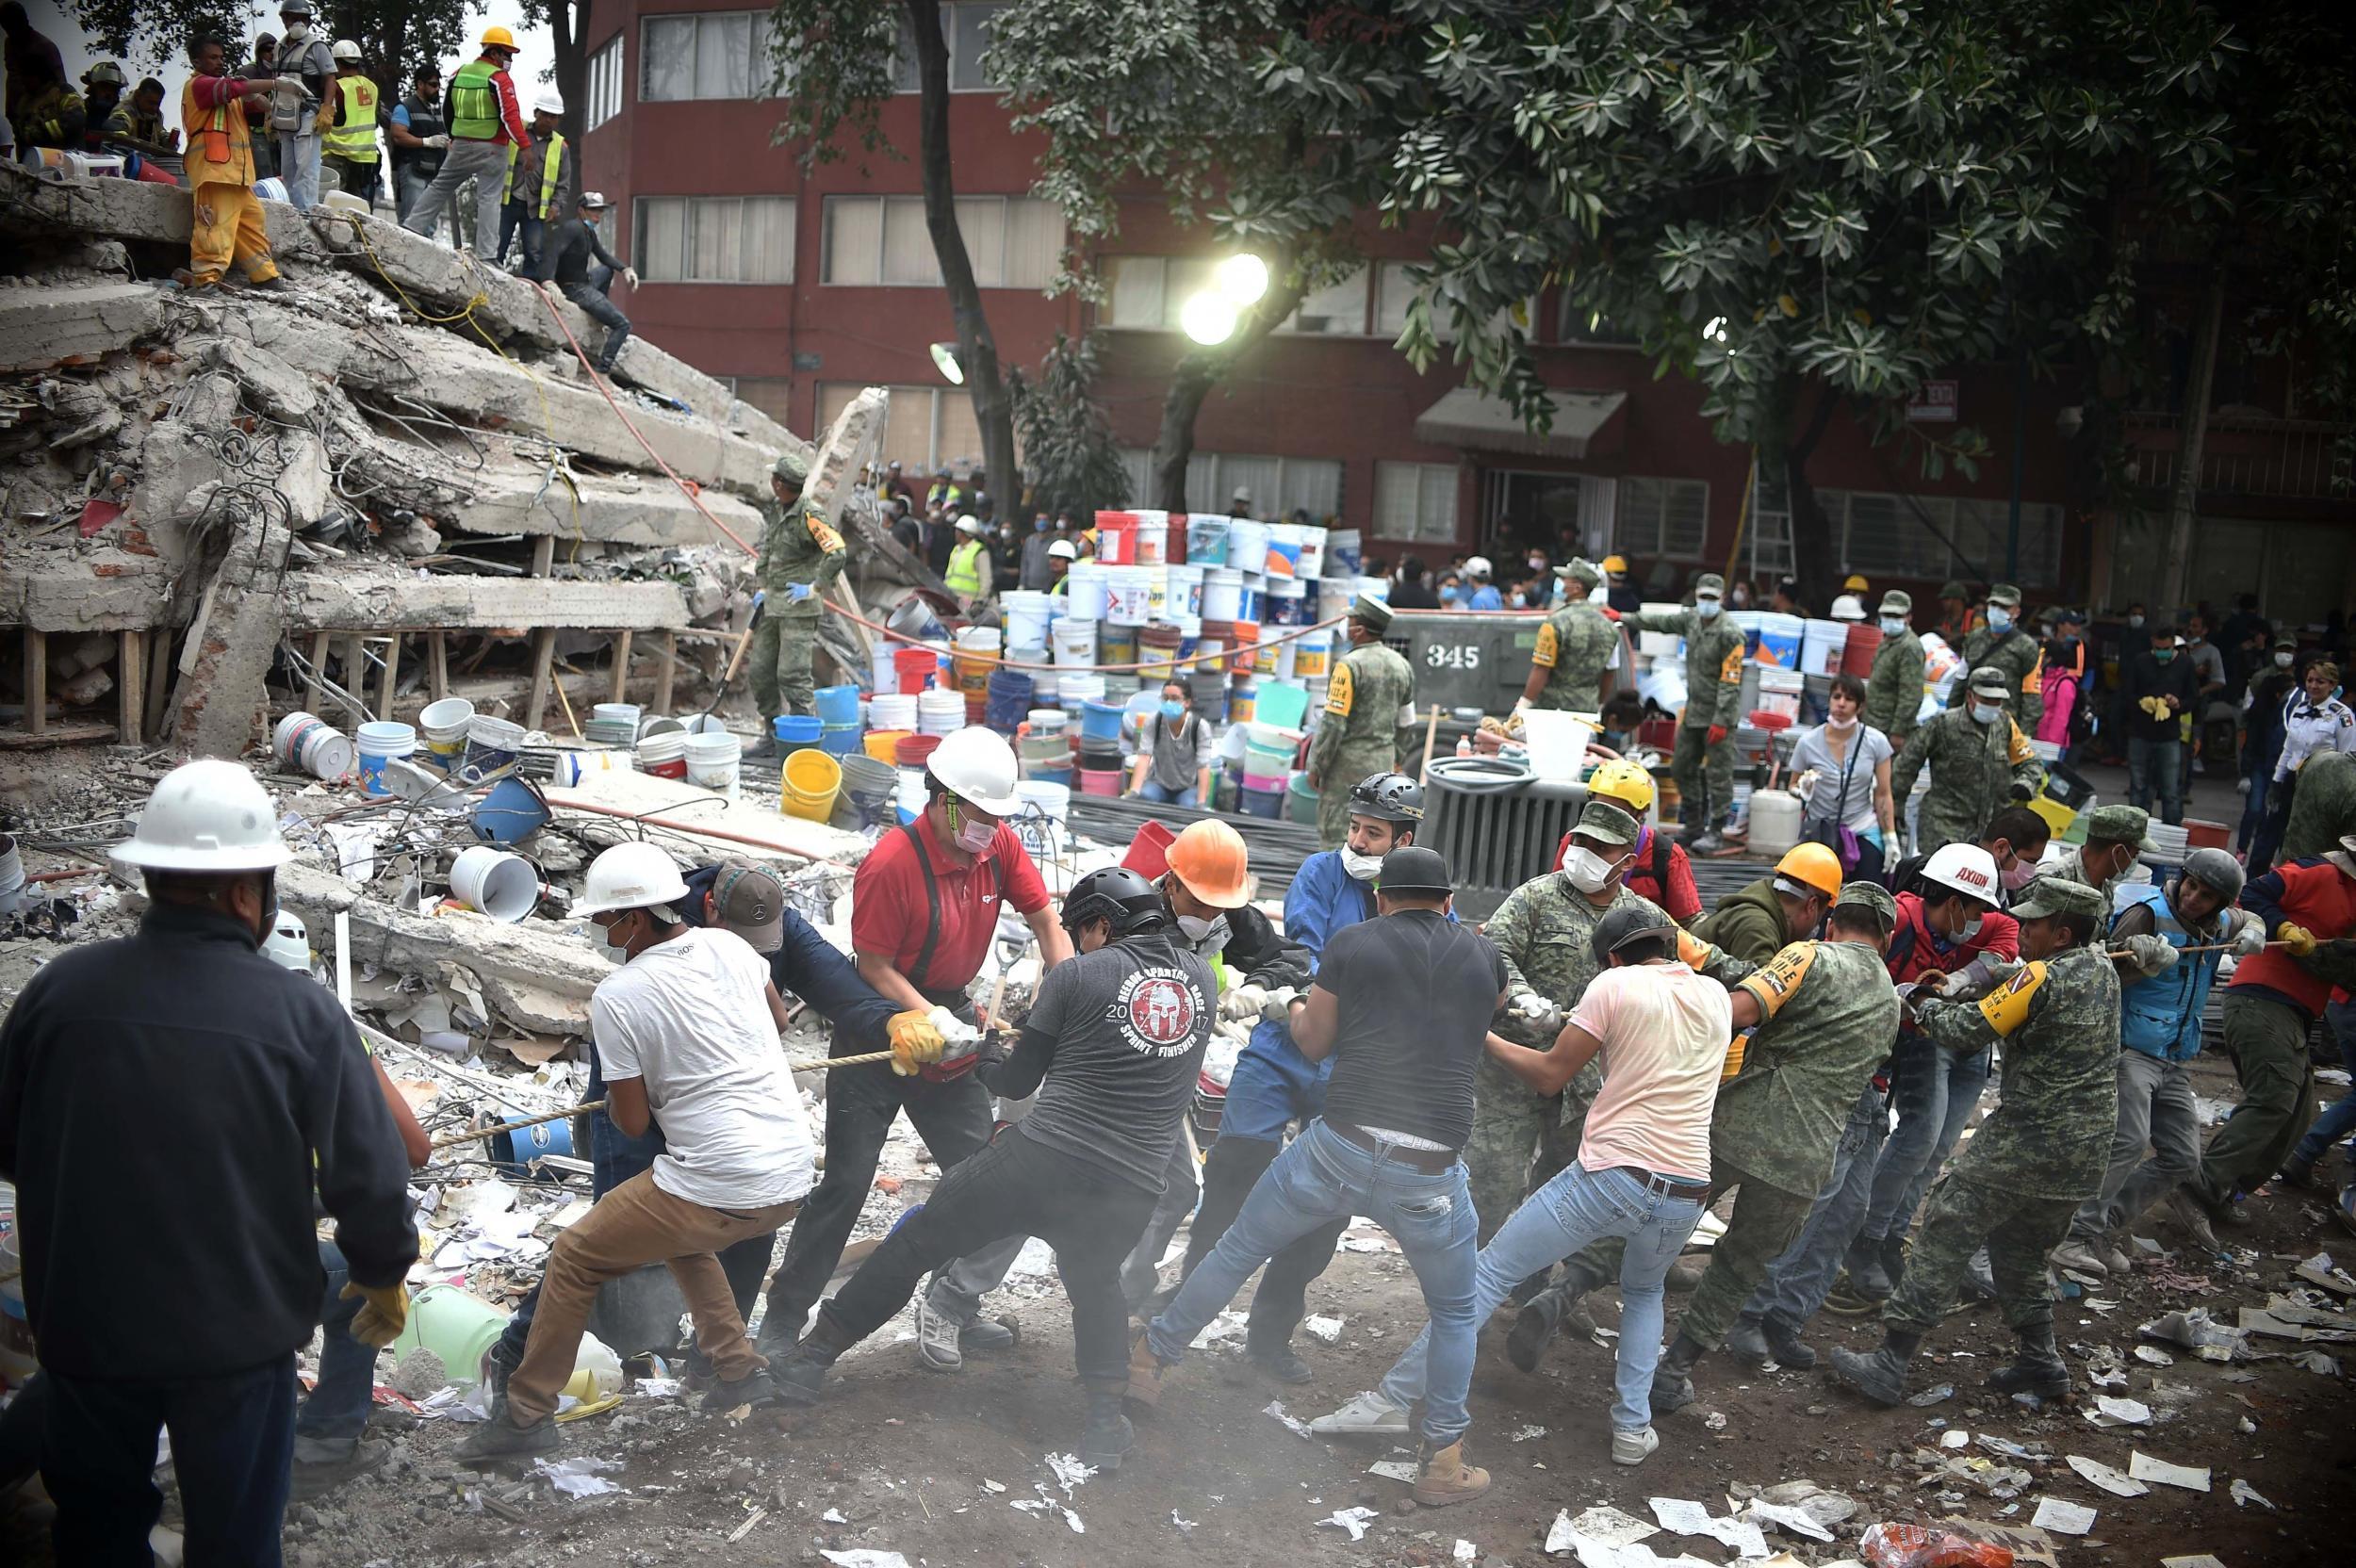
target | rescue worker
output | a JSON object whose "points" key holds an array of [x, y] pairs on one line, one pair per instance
{"points": [[2032, 1163], [1855, 583], [1112, 1046], [1704, 762], [1060, 555], [1261, 977], [170, 1104], [1661, 871], [262, 70], [1760, 918], [485, 119], [1893, 693], [565, 260], [800, 555], [102, 102], [538, 175], [228, 216], [1369, 708], [146, 115], [51, 114], [1957, 619], [1848, 608], [2172, 940], [308, 67], [2116, 836], [2324, 811], [1623, 595], [418, 135], [1274, 1086], [349, 145], [2004, 644], [1575, 647], [970, 578], [1979, 761]]}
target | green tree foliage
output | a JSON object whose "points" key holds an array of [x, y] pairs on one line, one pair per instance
{"points": [[1068, 448], [394, 35]]}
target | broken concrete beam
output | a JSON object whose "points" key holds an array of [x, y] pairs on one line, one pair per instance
{"points": [[747, 829], [351, 599], [631, 509], [137, 211], [232, 641], [40, 326], [107, 589]]}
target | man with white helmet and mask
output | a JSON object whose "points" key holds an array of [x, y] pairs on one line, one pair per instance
{"points": [[685, 1030], [170, 1103]]}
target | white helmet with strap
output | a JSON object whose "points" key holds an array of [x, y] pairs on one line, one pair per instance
{"points": [[977, 766], [1968, 869], [207, 816], [631, 877]]}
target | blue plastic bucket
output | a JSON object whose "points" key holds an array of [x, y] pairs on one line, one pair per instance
{"points": [[1009, 701], [840, 740], [798, 729], [511, 812], [513, 1152], [1100, 721], [838, 706], [1263, 803]]}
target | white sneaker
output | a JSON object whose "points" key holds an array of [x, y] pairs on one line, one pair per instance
{"points": [[1634, 1447], [937, 1348], [2081, 1256], [1368, 1416]]}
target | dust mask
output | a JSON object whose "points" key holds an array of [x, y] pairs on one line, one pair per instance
{"points": [[2282, 660], [1706, 608], [1362, 868], [1893, 626], [1999, 619], [971, 835], [1971, 929], [1199, 928], [2017, 875], [1843, 725], [1986, 713], [1589, 872], [2134, 621]]}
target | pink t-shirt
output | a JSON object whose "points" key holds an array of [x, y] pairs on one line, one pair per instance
{"points": [[1664, 1031]]}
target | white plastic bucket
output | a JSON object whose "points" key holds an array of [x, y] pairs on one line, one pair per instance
{"points": [[1223, 594], [1074, 641], [1558, 743], [1312, 563], [1129, 595], [307, 744], [1247, 545], [1026, 617], [492, 743], [1183, 594], [1284, 551], [892, 710], [1820, 654], [571, 767], [713, 760], [379, 742], [442, 725], [1313, 654], [1087, 579], [666, 746], [500, 885]]}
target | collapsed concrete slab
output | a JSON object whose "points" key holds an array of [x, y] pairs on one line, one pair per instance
{"points": [[386, 600], [41, 327], [631, 509]]}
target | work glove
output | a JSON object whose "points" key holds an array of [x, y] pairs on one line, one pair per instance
{"points": [[1609, 614], [2152, 955], [2021, 790], [383, 1314], [2297, 940], [798, 591], [916, 1042], [1521, 705], [630, 276], [1717, 733], [1244, 1001], [437, 142], [1280, 1005], [2250, 939]]}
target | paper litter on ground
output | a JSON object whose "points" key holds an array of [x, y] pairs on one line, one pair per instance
{"points": [[1602, 1523], [864, 1558], [2066, 1518], [1692, 1518], [1325, 1330], [2243, 1494], [1185, 1527], [1276, 1409], [1354, 1520], [1069, 1471], [658, 1388], [1393, 1470], [2143, 1467], [2117, 1482], [1465, 1551], [1955, 1439], [577, 1475], [1795, 1521], [2198, 1560], [832, 1517], [2127, 1412], [988, 1485], [1526, 1433], [2152, 1355], [2317, 1362], [1225, 1326]]}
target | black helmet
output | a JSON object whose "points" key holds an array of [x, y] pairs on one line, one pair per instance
{"points": [[1387, 797], [1116, 895], [1626, 923]]}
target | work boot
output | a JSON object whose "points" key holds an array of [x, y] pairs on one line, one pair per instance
{"points": [[1633, 1447], [275, 284], [2298, 1172], [1673, 1379], [989, 1334], [1869, 1278], [1109, 1436], [1145, 1373], [764, 750], [802, 1374], [2193, 1220], [1446, 1477], [937, 1340], [1279, 1362], [1882, 1376], [501, 1438], [2080, 1254], [756, 1388], [316, 1478], [1549, 1309], [1746, 1341], [1368, 1414], [1791, 1351], [2037, 1369]]}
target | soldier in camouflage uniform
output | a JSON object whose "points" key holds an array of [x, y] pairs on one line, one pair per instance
{"points": [[2019, 1180], [799, 556], [1825, 1013], [1893, 693], [2115, 836], [1976, 767], [1575, 646], [1704, 762], [1369, 704], [2003, 645], [2324, 811]]}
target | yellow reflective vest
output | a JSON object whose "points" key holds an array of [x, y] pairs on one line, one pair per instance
{"points": [[550, 168], [964, 576], [352, 137]]}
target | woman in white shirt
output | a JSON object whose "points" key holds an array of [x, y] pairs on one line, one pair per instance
{"points": [[1851, 760], [2312, 721]]}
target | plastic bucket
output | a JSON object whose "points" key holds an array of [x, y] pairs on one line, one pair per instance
{"points": [[500, 885], [1086, 590], [1300, 801], [1117, 538], [1206, 540], [511, 812], [916, 667], [381, 740], [868, 787], [1820, 653], [454, 1325], [572, 767], [1149, 851], [1153, 539], [442, 725], [2201, 834], [1129, 596], [1183, 593], [1095, 781], [912, 751], [1779, 640], [1247, 545], [1074, 641], [1313, 654], [1311, 565], [1253, 607], [1263, 803], [892, 710], [809, 782], [713, 760], [1342, 557], [938, 712], [1223, 594], [308, 743], [1857, 657], [1026, 617], [1288, 602], [665, 756], [1283, 551], [837, 705], [839, 739], [883, 744], [796, 730], [1117, 644], [491, 743], [1100, 721]]}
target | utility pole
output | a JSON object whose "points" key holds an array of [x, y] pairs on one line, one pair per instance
{"points": [[2176, 566]]}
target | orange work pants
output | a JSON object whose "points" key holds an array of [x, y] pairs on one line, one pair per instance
{"points": [[228, 226]]}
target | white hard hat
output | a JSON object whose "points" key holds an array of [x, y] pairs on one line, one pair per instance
{"points": [[208, 816], [549, 102], [289, 944], [1063, 550], [345, 50], [1967, 868], [1847, 608], [968, 524], [977, 766], [631, 877], [1479, 566], [1243, 493]]}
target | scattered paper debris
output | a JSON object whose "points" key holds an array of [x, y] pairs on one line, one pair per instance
{"points": [[864, 1558], [1185, 1527], [2126, 1412], [832, 1517], [578, 1474], [992, 1486], [1393, 1470], [1069, 1471], [1325, 1330], [1354, 1520], [1957, 1439], [1795, 1521], [2244, 1494], [2114, 1481], [1691, 1518], [1930, 1396], [1527, 1433], [2152, 1355], [1465, 1551], [1602, 1523], [2143, 1467], [2317, 1362], [1298, 1426], [2068, 1518], [2198, 1560]]}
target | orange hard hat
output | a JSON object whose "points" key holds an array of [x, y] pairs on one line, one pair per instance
{"points": [[1209, 858], [1814, 864], [498, 37]]}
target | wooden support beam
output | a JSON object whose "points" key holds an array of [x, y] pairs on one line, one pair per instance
{"points": [[158, 682], [314, 690], [437, 665], [621, 665], [36, 681], [542, 660], [355, 680], [392, 677], [665, 672], [131, 683]]}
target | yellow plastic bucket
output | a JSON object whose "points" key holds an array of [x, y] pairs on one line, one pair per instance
{"points": [[884, 745], [2057, 816], [810, 781]]}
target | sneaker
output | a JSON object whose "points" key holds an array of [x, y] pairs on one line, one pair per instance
{"points": [[937, 1340], [500, 1438], [1369, 1414], [756, 1388], [2080, 1254], [989, 1334], [2116, 1256], [1634, 1447], [1708, 843]]}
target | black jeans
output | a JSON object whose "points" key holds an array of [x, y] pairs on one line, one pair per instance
{"points": [[232, 1442], [1229, 1171], [953, 1118], [590, 298], [1015, 1187]]}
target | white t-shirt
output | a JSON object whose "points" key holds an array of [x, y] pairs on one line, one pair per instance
{"points": [[689, 1016], [1664, 1031]]}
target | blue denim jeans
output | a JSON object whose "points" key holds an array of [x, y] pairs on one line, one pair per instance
{"points": [[1934, 1092], [1162, 794], [331, 1417], [2339, 1118], [1319, 1178], [1798, 1282], [2156, 764], [1571, 1211]]}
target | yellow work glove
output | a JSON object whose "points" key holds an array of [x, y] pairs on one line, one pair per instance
{"points": [[916, 1042], [2297, 940], [379, 1322]]}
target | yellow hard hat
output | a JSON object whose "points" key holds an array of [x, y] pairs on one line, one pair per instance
{"points": [[1857, 585], [1614, 564], [1625, 782], [498, 37], [1814, 864]]}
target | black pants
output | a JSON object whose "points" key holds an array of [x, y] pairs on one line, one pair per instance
{"points": [[232, 1441], [591, 298], [954, 1121], [1015, 1187], [1229, 1172]]}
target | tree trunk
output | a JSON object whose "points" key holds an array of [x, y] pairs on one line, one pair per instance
{"points": [[1811, 529], [977, 349], [569, 24], [1192, 381], [2193, 431]]}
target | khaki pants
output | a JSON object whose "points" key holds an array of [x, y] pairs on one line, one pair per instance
{"points": [[636, 1224], [228, 226]]}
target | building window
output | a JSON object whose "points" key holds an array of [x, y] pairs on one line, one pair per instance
{"points": [[872, 242], [1338, 310], [1892, 535], [605, 83], [1145, 293], [715, 239], [927, 428], [965, 25], [1280, 486], [1664, 519], [711, 55], [1414, 500]]}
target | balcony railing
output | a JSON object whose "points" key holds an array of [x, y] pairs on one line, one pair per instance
{"points": [[2281, 459]]}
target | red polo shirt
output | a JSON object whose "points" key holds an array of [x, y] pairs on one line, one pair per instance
{"points": [[889, 914]]}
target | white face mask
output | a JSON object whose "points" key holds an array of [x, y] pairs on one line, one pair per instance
{"points": [[1706, 608], [1846, 724], [974, 836], [2134, 621], [1362, 868], [1197, 927], [1893, 626], [1589, 872], [1999, 619], [617, 955], [1971, 929], [1986, 713], [2282, 660]]}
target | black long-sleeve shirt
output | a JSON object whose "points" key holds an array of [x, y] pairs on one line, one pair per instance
{"points": [[2148, 677], [566, 256], [169, 1100]]}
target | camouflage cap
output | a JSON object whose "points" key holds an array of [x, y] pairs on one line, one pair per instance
{"points": [[1371, 611], [2004, 594], [1606, 820], [2120, 825], [1583, 570], [1710, 584], [1897, 602], [2047, 896], [792, 467], [1863, 894], [1953, 590], [1989, 682], [2286, 643]]}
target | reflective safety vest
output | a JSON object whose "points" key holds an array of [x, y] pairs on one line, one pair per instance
{"points": [[221, 146], [474, 103], [2160, 1015], [549, 170], [353, 137], [964, 576]]}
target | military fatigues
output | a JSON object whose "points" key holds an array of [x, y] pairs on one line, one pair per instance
{"points": [[2019, 1180], [797, 546], [1973, 767], [2324, 809], [1360, 732], [1575, 647], [1893, 693], [1713, 695], [2014, 653]]}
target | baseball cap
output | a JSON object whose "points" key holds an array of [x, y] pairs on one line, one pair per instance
{"points": [[750, 900], [1414, 870]]}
